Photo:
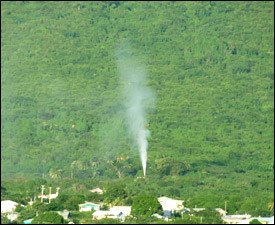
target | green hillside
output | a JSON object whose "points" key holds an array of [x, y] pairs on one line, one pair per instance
{"points": [[210, 65]]}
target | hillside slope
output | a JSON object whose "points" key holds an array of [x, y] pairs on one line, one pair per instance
{"points": [[210, 65]]}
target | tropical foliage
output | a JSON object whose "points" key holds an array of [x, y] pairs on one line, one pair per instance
{"points": [[211, 66]]}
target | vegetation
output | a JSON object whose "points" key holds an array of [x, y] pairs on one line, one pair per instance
{"points": [[255, 222], [211, 66], [145, 206], [5, 220], [26, 213], [48, 218]]}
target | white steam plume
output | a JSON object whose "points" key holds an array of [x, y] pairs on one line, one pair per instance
{"points": [[137, 98]]}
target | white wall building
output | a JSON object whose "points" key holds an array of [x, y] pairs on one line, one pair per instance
{"points": [[8, 206], [264, 220], [170, 205], [237, 219], [12, 216], [97, 190], [115, 212]]}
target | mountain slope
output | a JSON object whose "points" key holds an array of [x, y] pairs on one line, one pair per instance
{"points": [[210, 65]]}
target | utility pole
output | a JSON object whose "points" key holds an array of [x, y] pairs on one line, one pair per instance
{"points": [[42, 192], [50, 194], [225, 204]]}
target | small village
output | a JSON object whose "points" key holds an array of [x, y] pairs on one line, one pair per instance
{"points": [[122, 212]]}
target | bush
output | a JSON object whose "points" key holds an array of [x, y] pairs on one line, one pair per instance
{"points": [[48, 218], [255, 222], [145, 206]]}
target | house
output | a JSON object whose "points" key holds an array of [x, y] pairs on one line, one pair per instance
{"points": [[246, 219], [97, 190], [170, 205], [126, 210], [88, 206], [8, 206], [115, 212], [157, 216], [237, 219], [264, 220], [12, 216], [198, 209], [100, 214], [121, 212]]}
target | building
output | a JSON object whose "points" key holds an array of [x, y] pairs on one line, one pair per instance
{"points": [[198, 209], [8, 206], [100, 214], [170, 205], [97, 190], [88, 206], [246, 219], [158, 216], [121, 212], [115, 212], [237, 219], [12, 216], [264, 220]]}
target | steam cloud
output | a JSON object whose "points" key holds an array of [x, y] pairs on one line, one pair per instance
{"points": [[137, 98]]}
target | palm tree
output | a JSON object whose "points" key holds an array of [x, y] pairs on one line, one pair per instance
{"points": [[270, 206], [55, 174], [76, 166]]}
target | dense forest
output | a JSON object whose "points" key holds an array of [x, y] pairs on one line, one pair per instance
{"points": [[210, 65]]}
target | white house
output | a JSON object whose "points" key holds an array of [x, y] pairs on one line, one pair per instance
{"points": [[100, 214], [264, 220], [198, 209], [97, 190], [121, 212], [88, 206], [12, 216], [115, 212], [157, 216], [170, 205], [237, 219], [8, 206]]}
